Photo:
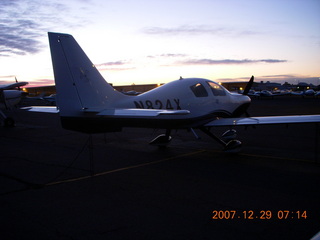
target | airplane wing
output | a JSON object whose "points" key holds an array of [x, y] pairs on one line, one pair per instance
{"points": [[130, 112], [264, 120], [12, 85], [43, 109], [137, 112]]}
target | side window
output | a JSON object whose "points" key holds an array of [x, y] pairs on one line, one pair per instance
{"points": [[199, 90], [217, 90]]}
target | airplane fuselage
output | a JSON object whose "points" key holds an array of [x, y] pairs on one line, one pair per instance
{"points": [[200, 96], [203, 98]]}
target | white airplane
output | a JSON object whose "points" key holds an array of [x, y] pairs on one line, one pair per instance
{"points": [[9, 97], [87, 103]]}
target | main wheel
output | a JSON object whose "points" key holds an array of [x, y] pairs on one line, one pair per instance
{"points": [[234, 146]]}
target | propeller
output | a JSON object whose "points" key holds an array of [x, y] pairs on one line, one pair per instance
{"points": [[246, 91], [248, 87]]}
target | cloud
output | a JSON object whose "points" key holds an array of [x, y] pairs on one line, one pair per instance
{"points": [[18, 31], [279, 76], [168, 55], [36, 82], [116, 63], [228, 61], [121, 65], [6, 77], [41, 82], [17, 38], [273, 60], [5, 82], [116, 68], [245, 79], [24, 23], [197, 30]]}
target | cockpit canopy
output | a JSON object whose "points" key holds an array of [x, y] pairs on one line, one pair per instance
{"points": [[199, 90]]}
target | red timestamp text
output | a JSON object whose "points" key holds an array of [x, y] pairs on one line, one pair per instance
{"points": [[261, 215]]}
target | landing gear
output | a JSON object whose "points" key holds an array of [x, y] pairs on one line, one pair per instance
{"points": [[229, 135], [228, 141], [162, 140], [233, 146]]}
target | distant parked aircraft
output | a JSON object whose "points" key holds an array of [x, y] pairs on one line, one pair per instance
{"points": [[309, 92]]}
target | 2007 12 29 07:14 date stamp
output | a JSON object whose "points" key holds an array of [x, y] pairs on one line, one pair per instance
{"points": [[261, 215]]}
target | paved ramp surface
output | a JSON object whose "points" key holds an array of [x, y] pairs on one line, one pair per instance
{"points": [[269, 191]]}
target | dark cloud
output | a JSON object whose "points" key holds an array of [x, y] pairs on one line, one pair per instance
{"points": [[24, 23], [273, 60], [228, 61], [17, 38], [18, 32]]}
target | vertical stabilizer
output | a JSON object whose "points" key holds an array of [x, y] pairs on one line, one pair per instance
{"points": [[79, 84]]}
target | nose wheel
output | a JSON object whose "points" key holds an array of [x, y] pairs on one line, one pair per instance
{"points": [[229, 135], [162, 140], [233, 146]]}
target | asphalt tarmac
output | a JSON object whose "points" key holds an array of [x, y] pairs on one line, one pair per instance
{"points": [[58, 184]]}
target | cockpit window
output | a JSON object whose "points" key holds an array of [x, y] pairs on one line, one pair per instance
{"points": [[217, 90], [199, 90]]}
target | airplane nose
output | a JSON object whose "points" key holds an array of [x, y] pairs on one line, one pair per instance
{"points": [[242, 109], [244, 104]]}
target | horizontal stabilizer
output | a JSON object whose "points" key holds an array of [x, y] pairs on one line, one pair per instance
{"points": [[264, 120], [41, 109], [137, 112]]}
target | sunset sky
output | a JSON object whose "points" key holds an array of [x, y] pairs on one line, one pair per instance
{"points": [[146, 41]]}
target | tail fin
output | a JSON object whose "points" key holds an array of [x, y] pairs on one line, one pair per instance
{"points": [[79, 84]]}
